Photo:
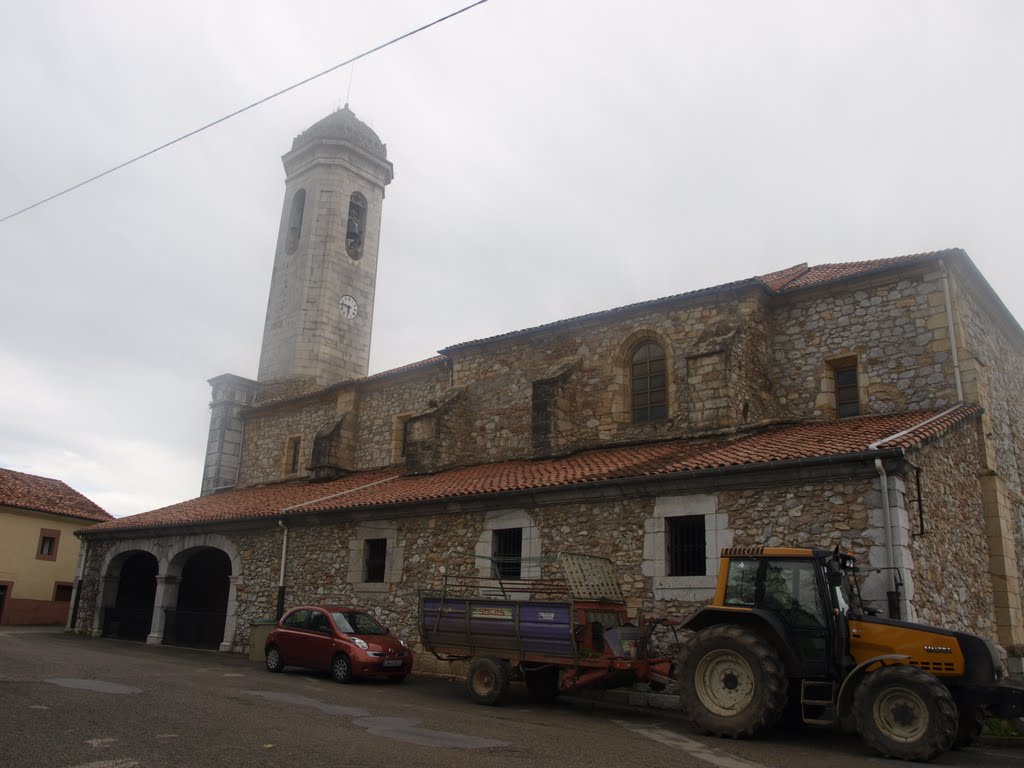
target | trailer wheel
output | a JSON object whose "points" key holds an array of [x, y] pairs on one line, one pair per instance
{"points": [[731, 682], [487, 680], [542, 684], [905, 712]]}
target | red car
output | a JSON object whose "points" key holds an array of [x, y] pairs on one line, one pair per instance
{"points": [[346, 642]]}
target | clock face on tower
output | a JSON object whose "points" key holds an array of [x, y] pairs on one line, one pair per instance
{"points": [[348, 306]]}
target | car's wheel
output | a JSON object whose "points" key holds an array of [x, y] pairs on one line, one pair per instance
{"points": [[905, 712], [731, 682], [487, 680], [542, 684], [275, 661], [341, 668], [969, 724]]}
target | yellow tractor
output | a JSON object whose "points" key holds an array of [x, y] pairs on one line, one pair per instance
{"points": [[787, 633]]}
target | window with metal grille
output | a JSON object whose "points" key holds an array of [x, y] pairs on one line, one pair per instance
{"points": [[507, 553], [684, 539], [62, 593], [847, 397], [647, 383], [376, 558]]}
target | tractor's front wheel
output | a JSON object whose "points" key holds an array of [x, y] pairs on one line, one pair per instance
{"points": [[731, 682], [906, 713], [487, 680]]}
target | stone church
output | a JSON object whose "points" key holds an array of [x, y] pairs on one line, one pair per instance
{"points": [[873, 405]]}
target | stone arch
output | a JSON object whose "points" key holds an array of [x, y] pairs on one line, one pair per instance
{"points": [[622, 361], [183, 551], [126, 608], [355, 228]]}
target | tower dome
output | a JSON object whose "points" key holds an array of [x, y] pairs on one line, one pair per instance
{"points": [[343, 125]]}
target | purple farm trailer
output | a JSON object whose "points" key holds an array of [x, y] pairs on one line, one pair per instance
{"points": [[568, 631]]}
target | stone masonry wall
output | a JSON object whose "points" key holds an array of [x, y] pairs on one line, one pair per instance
{"points": [[896, 326], [953, 585], [267, 434], [698, 337], [384, 401], [804, 512], [90, 588], [992, 366], [820, 513]]}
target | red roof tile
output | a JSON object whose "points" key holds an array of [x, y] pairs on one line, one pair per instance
{"points": [[386, 487], [44, 494], [802, 276]]}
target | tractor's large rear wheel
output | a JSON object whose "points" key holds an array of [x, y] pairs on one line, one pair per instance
{"points": [[905, 712], [731, 682]]}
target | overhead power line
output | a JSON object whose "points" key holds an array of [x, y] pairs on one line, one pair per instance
{"points": [[237, 112]]}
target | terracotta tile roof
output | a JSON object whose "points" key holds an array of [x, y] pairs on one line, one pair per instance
{"points": [[802, 276], [783, 281], [44, 494], [382, 488]]}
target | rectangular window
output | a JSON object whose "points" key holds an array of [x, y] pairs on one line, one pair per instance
{"points": [[847, 395], [405, 437], [49, 540], [62, 593], [685, 540], [376, 552], [294, 449], [507, 553]]}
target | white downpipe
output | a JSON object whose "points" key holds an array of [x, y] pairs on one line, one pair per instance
{"points": [[284, 553], [883, 486], [883, 483]]}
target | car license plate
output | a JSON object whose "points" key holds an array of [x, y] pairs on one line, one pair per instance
{"points": [[392, 662]]}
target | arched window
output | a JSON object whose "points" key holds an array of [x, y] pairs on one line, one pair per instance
{"points": [[356, 226], [295, 221], [647, 383]]}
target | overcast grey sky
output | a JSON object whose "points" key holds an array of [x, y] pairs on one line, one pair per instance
{"points": [[551, 159]]}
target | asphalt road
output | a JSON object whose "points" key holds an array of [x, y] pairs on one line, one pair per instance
{"points": [[73, 702]]}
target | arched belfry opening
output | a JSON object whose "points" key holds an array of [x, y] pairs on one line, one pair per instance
{"points": [[130, 615], [295, 221], [198, 617], [356, 228]]}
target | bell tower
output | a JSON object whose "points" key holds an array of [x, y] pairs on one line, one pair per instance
{"points": [[320, 310]]}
